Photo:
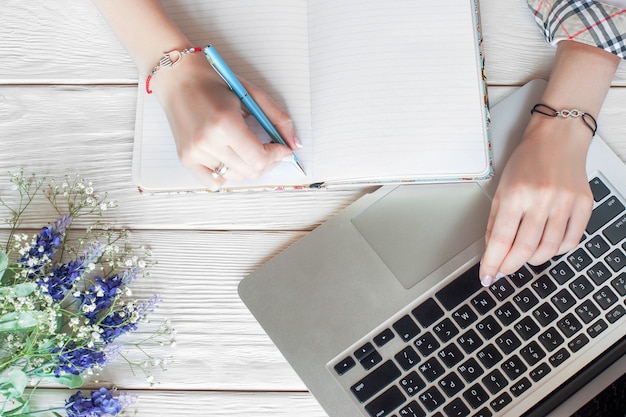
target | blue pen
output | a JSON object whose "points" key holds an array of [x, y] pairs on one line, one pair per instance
{"points": [[230, 78]]}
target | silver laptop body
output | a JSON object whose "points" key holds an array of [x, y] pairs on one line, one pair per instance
{"points": [[381, 313]]}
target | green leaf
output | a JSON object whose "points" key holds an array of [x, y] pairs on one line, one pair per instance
{"points": [[70, 381], [4, 263], [14, 384], [25, 289], [22, 321]]}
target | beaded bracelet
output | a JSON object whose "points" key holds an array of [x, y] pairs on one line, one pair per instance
{"points": [[587, 119], [169, 60]]}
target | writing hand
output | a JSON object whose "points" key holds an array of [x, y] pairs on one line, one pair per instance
{"points": [[208, 124]]}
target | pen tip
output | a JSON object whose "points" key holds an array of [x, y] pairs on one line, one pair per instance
{"points": [[300, 167]]}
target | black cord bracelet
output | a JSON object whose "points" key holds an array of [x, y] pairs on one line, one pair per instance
{"points": [[587, 119]]}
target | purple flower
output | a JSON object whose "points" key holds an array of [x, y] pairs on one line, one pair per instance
{"points": [[46, 243], [76, 360], [101, 403], [61, 279], [101, 295], [121, 322]]}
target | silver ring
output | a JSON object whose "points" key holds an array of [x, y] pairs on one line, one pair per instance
{"points": [[220, 171]]}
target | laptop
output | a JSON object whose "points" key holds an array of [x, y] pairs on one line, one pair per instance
{"points": [[381, 313]]}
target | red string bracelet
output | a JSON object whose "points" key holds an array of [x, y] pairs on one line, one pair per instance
{"points": [[169, 60]]}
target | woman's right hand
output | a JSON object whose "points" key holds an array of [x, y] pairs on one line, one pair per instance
{"points": [[208, 123]]}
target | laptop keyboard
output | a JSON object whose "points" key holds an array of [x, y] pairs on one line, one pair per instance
{"points": [[471, 351]]}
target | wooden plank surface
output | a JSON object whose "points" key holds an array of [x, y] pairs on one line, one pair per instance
{"points": [[67, 104]]}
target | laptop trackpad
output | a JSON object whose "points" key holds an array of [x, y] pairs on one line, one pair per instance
{"points": [[415, 229]]}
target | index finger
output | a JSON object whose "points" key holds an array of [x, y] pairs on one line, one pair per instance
{"points": [[500, 238]]}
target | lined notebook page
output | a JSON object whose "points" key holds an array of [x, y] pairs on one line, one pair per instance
{"points": [[377, 90], [396, 88]]}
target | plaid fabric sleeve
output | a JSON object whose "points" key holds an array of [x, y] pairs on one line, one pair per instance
{"points": [[587, 21]]}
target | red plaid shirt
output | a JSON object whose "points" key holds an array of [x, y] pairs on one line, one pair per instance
{"points": [[588, 21]]}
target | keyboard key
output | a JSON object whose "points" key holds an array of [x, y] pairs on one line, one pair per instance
{"points": [[579, 259], [597, 246], [431, 369], [364, 351], [543, 286], [513, 367], [501, 289], [619, 284], [507, 313], [489, 327], [520, 387], [469, 341], [456, 408], [603, 213], [406, 328], [476, 396], [451, 384], [407, 358], [525, 300], [507, 342], [501, 401], [432, 398], [615, 314], [563, 300], [412, 384], [605, 297], [523, 275], [598, 189], [578, 342], [489, 356], [526, 328], [551, 339], [345, 365], [460, 289], [371, 361], [483, 302], [383, 337], [616, 259], [569, 325], [428, 313], [483, 412], [464, 316], [561, 272], [597, 328], [539, 372], [450, 355], [616, 232], [581, 287], [412, 410], [587, 311], [445, 330], [598, 273], [426, 344], [559, 357], [495, 381], [470, 370], [545, 314], [376, 381], [387, 402], [532, 353]]}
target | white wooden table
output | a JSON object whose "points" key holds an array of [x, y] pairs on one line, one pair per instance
{"points": [[67, 105]]}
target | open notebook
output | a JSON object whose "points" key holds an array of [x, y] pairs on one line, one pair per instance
{"points": [[379, 91]]}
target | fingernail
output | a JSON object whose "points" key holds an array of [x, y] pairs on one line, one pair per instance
{"points": [[487, 280], [500, 275], [298, 142]]}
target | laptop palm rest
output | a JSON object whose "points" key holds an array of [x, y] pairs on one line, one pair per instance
{"points": [[416, 229]]}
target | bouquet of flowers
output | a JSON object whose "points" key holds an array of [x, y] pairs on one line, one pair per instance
{"points": [[64, 300]]}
